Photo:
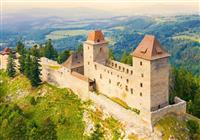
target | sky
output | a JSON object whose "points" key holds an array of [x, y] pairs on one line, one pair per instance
{"points": [[107, 5]]}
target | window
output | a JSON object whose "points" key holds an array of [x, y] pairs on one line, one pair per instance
{"points": [[140, 93], [109, 81], [123, 69], [126, 88], [127, 81], [140, 63], [98, 40], [131, 72], [119, 67], [115, 65], [141, 85], [100, 76], [88, 47], [142, 75], [131, 91], [127, 71], [95, 67], [112, 64], [88, 63], [100, 50], [111, 73]]}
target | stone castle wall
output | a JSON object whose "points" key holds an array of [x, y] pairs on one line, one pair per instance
{"points": [[60, 76]]}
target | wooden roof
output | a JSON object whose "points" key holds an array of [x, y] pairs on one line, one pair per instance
{"points": [[96, 36], [150, 49], [75, 60], [6, 51]]}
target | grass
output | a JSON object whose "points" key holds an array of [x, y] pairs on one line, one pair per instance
{"points": [[171, 126], [51, 102], [54, 67], [112, 127]]}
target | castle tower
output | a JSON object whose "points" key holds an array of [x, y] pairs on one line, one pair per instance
{"points": [[95, 50], [151, 74]]}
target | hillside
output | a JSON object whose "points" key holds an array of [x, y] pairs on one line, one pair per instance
{"points": [[178, 34], [47, 112]]}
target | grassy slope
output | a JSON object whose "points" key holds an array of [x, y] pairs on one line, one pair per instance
{"points": [[62, 103], [51, 102], [171, 126]]}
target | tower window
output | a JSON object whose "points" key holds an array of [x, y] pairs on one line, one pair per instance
{"points": [[127, 71], [119, 67], [123, 69], [109, 81], [115, 65], [126, 88], [131, 72], [95, 67], [88, 63], [142, 75], [141, 85], [98, 40], [100, 50], [140, 93], [100, 76], [127, 80], [88, 47], [140, 63], [131, 91]]}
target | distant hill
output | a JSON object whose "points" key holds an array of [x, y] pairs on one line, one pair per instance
{"points": [[180, 35]]}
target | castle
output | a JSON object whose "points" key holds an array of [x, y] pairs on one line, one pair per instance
{"points": [[143, 87]]}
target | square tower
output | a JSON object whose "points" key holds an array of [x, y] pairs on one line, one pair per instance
{"points": [[95, 49], [151, 73]]}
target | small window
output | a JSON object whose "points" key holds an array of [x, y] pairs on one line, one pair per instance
{"points": [[95, 67], [127, 71], [112, 64], [123, 69], [131, 91], [111, 73], [140, 93], [109, 81], [121, 77], [126, 88], [98, 40], [88, 47], [100, 50], [115, 65], [142, 75], [100, 76], [140, 63], [108, 71], [141, 85], [88, 63], [119, 67], [127, 81], [131, 72]]}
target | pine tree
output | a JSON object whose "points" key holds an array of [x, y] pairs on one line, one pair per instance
{"points": [[63, 56], [22, 60], [49, 51], [11, 66], [27, 71], [111, 54], [35, 72], [35, 51], [20, 47], [124, 57]]}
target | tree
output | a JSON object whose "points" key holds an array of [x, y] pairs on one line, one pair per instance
{"points": [[111, 54], [49, 51], [22, 60], [27, 70], [35, 51], [20, 47], [35, 71], [63, 56], [193, 127], [126, 59], [11, 66], [80, 48]]}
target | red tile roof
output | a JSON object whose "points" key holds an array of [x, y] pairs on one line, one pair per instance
{"points": [[6, 51], [96, 36], [150, 49]]}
